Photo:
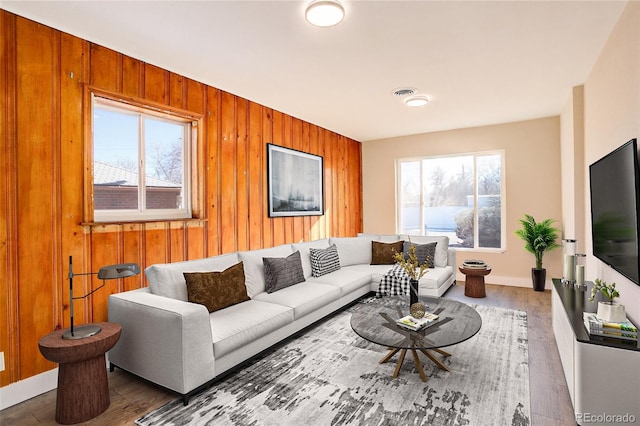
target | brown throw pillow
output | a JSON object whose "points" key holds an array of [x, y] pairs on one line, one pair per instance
{"points": [[383, 253], [217, 290]]}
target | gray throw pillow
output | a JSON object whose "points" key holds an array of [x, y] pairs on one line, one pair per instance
{"points": [[424, 252], [282, 272], [324, 261]]}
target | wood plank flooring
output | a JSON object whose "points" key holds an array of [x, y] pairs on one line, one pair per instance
{"points": [[132, 397]]}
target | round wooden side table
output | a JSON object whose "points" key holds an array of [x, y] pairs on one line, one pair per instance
{"points": [[83, 389], [474, 281]]}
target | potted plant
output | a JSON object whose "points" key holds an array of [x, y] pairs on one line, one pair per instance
{"points": [[608, 311], [539, 237]]}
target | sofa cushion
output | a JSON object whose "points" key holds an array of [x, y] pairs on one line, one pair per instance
{"points": [[440, 259], [424, 252], [349, 278], [254, 267], [304, 247], [435, 277], [324, 261], [217, 290], [384, 253], [281, 272], [241, 324], [167, 279], [303, 298], [353, 251]]}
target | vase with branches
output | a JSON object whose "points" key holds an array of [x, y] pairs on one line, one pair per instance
{"points": [[413, 268]]}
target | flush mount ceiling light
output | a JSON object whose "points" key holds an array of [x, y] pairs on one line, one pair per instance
{"points": [[324, 13], [416, 101]]}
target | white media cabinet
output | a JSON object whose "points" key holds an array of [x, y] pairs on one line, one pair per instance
{"points": [[603, 374]]}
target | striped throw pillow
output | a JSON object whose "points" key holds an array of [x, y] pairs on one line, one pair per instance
{"points": [[324, 261]]}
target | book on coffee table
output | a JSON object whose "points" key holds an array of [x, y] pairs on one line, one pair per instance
{"points": [[416, 324]]}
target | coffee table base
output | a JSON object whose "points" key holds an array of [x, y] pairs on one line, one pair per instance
{"points": [[416, 359]]}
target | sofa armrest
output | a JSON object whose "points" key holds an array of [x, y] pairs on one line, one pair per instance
{"points": [[451, 260], [164, 340]]}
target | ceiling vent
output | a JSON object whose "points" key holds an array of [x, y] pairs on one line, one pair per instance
{"points": [[405, 91]]}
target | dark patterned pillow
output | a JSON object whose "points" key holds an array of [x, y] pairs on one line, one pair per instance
{"points": [[217, 290], [324, 261], [281, 272], [424, 252], [384, 253]]}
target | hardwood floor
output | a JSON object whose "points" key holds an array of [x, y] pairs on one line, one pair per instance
{"points": [[550, 404]]}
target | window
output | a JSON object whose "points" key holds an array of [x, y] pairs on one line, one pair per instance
{"points": [[141, 161], [460, 196]]}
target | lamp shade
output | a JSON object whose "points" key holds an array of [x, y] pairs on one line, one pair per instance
{"points": [[122, 270], [324, 13]]}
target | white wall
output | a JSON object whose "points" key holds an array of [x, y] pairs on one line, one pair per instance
{"points": [[612, 117], [532, 173]]}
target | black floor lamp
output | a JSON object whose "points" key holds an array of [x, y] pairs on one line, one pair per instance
{"points": [[109, 272]]}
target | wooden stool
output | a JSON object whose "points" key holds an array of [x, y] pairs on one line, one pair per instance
{"points": [[83, 389], [474, 281]]}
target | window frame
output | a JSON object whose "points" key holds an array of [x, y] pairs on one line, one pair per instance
{"points": [[193, 158], [474, 155]]}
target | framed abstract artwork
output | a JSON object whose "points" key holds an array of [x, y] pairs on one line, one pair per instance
{"points": [[295, 182]]}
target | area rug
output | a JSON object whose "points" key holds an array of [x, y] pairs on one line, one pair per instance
{"points": [[331, 376]]}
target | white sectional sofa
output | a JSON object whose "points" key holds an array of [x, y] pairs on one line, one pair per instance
{"points": [[181, 346]]}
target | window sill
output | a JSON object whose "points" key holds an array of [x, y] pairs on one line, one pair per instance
{"points": [[139, 222]]}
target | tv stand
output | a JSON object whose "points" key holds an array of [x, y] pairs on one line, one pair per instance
{"points": [[603, 374]]}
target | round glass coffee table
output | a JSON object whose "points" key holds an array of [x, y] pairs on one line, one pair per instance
{"points": [[376, 322]]}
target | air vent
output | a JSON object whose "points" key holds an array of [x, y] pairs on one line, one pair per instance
{"points": [[405, 91]]}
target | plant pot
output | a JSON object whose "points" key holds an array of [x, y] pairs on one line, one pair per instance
{"points": [[413, 292], [611, 312], [538, 278]]}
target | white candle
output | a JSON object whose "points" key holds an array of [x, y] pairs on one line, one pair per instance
{"points": [[580, 274], [569, 267]]}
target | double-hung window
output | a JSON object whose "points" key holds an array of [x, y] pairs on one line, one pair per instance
{"points": [[141, 163], [459, 196]]}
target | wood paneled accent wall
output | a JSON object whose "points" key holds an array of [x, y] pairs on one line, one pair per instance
{"points": [[44, 76]]}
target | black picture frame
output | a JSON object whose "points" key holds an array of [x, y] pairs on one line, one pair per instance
{"points": [[295, 181]]}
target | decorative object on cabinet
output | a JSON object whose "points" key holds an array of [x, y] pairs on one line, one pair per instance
{"points": [[608, 311]]}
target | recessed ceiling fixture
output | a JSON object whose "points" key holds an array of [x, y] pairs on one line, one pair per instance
{"points": [[416, 101], [324, 13]]}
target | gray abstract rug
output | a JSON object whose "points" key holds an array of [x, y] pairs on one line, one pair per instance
{"points": [[331, 376]]}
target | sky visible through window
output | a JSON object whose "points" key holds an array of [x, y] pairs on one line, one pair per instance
{"points": [[115, 136]]}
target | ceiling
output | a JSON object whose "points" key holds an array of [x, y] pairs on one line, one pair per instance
{"points": [[480, 62]]}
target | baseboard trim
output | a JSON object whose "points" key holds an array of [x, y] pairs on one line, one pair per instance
{"points": [[23, 390]]}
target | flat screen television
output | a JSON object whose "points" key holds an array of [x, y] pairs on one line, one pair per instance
{"points": [[615, 204]]}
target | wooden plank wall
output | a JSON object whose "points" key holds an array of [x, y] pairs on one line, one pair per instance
{"points": [[42, 133]]}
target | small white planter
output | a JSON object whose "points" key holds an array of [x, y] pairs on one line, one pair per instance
{"points": [[611, 312]]}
